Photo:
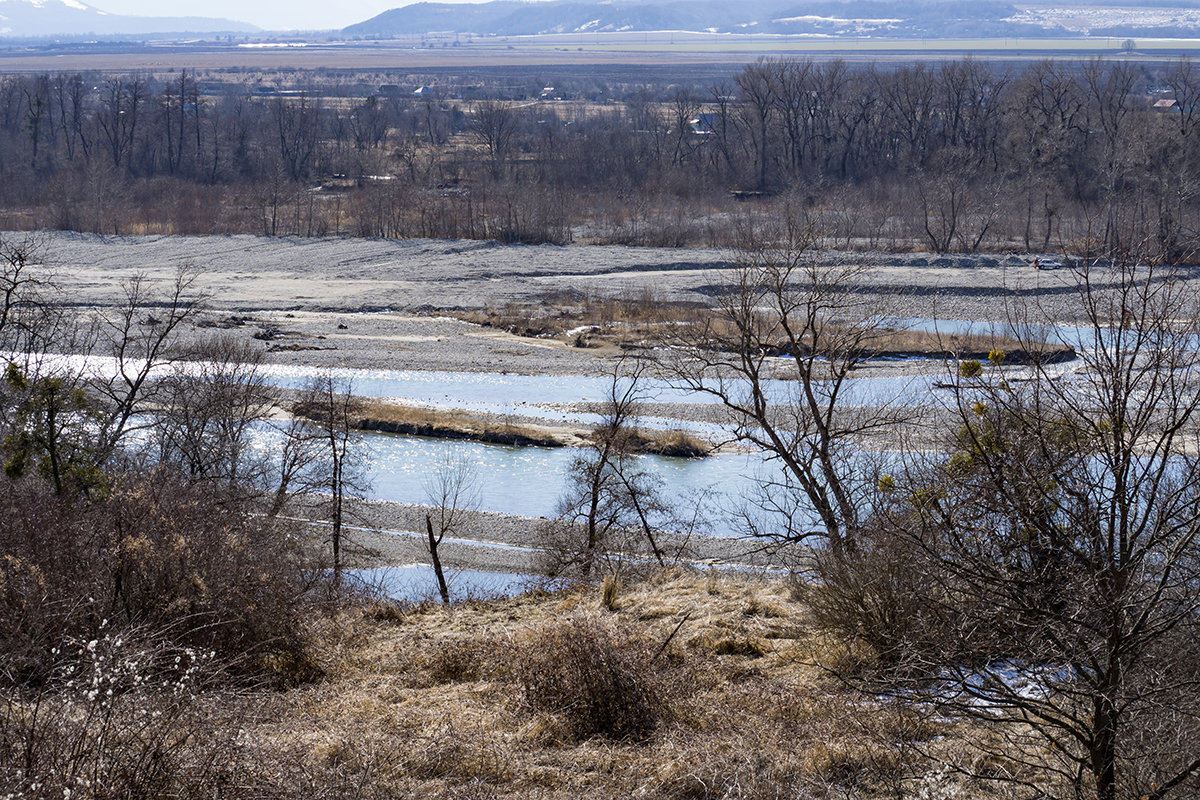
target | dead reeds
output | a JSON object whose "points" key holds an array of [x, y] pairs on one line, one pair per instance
{"points": [[646, 319]]}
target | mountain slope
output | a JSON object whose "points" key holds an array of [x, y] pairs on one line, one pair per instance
{"points": [[899, 18], [34, 18]]}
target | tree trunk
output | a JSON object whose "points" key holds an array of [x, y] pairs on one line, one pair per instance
{"points": [[434, 541]]}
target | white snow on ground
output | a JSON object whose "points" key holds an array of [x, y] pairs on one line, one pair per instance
{"points": [[838, 20], [1005, 684], [1083, 19]]}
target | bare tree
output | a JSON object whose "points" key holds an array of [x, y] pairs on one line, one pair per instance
{"points": [[777, 353], [28, 316], [452, 489], [611, 508], [1061, 546], [72, 420], [122, 101], [757, 91], [140, 336], [297, 124], [333, 412], [496, 127], [211, 407]]}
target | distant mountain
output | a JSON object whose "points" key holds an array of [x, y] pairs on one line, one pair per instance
{"points": [[832, 18], [37, 18]]}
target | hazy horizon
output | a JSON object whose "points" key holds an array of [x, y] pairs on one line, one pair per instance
{"points": [[267, 14]]}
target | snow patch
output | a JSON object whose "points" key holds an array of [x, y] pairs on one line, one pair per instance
{"points": [[838, 20], [1083, 19]]}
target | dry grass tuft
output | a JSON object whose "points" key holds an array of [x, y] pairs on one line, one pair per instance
{"points": [[610, 591], [678, 443], [466, 659], [758, 607], [600, 684], [728, 644]]}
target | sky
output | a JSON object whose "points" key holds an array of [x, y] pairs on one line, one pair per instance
{"points": [[270, 14]]}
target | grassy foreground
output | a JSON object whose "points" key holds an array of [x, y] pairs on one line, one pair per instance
{"points": [[686, 686]]}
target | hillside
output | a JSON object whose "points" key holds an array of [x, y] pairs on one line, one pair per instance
{"points": [[827, 18], [43, 18]]}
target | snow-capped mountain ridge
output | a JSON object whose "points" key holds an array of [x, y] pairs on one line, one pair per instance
{"points": [[49, 18]]}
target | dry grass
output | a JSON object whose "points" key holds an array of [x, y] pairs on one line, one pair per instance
{"points": [[645, 319], [484, 700], [550, 696], [455, 424]]}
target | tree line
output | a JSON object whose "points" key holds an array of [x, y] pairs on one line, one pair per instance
{"points": [[962, 155]]}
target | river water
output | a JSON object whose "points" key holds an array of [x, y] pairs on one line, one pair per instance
{"points": [[527, 481]]}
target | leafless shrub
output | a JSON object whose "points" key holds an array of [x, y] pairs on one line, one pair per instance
{"points": [[150, 553], [126, 714], [882, 603], [602, 687]]}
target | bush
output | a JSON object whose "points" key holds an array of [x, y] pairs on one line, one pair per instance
{"points": [[122, 715], [601, 688], [879, 600], [152, 554]]}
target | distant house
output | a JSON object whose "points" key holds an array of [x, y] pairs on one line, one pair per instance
{"points": [[425, 91], [703, 124], [1166, 105]]}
